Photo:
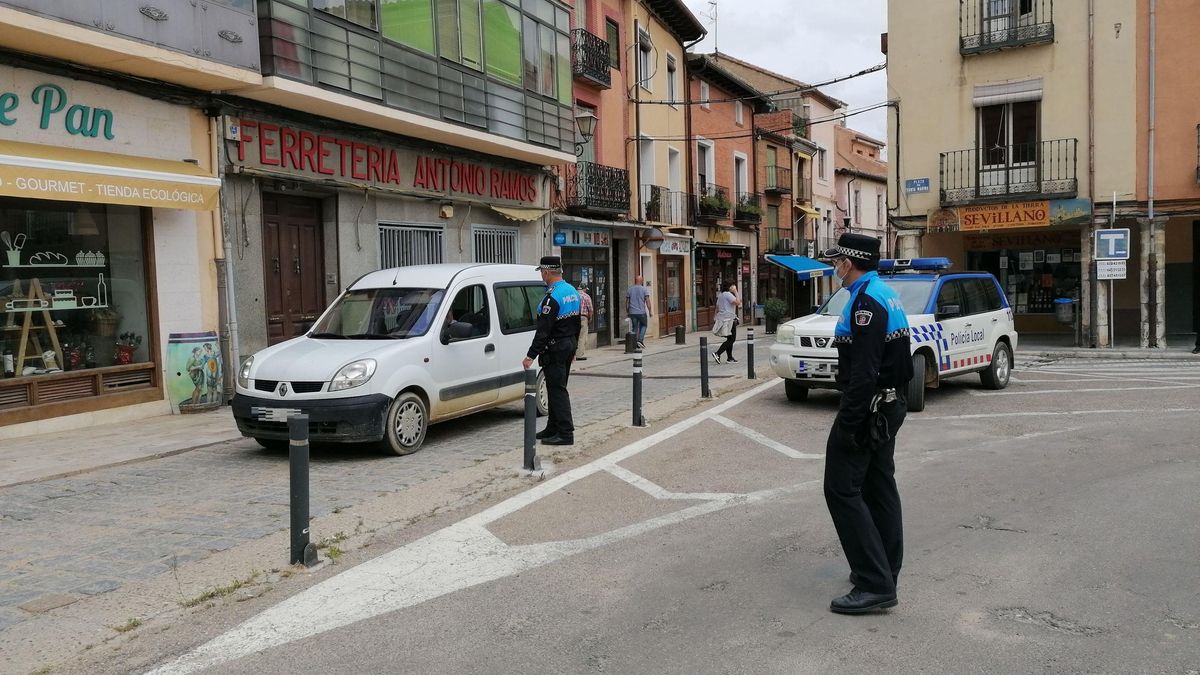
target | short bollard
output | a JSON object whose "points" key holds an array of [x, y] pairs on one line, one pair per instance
{"points": [[638, 420], [680, 336], [630, 343], [303, 551], [532, 461], [750, 354], [705, 392]]}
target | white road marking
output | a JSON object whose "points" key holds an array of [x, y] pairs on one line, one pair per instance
{"points": [[764, 440], [659, 492], [460, 556], [934, 454]]}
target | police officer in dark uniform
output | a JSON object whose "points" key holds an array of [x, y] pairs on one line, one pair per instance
{"points": [[554, 347], [874, 367]]}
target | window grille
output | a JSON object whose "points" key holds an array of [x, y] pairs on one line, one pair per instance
{"points": [[496, 244], [402, 245]]}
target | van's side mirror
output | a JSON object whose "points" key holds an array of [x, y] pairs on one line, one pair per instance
{"points": [[460, 330], [815, 309], [949, 311]]}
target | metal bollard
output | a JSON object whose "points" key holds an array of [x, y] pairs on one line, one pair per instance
{"points": [[303, 551], [532, 461], [750, 354], [638, 420], [630, 343], [680, 336], [705, 392]]}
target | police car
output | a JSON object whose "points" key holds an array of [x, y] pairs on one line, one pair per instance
{"points": [[961, 323]]}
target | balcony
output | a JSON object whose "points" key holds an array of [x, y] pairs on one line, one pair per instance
{"points": [[749, 209], [590, 59], [776, 235], [1028, 170], [800, 126], [803, 190], [663, 206], [779, 180], [990, 25], [597, 189], [712, 203]]}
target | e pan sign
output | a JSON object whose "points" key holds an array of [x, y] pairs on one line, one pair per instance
{"points": [[1110, 269]]}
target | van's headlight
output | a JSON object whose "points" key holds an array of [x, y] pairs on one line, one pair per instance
{"points": [[244, 373], [785, 333], [353, 375]]}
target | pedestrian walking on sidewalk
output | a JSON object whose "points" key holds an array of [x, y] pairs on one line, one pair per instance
{"points": [[874, 367], [586, 310], [726, 322], [637, 305], [554, 348]]}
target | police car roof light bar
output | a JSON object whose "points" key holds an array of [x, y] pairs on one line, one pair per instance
{"points": [[915, 264]]}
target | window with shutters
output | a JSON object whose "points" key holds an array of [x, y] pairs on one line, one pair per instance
{"points": [[496, 244], [403, 245]]}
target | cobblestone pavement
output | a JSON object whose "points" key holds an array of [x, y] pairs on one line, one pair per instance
{"points": [[92, 533]]}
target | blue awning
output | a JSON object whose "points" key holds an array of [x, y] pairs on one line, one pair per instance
{"points": [[804, 266]]}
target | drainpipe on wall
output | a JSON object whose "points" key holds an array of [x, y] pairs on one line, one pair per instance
{"points": [[1151, 310], [226, 288], [1089, 297]]}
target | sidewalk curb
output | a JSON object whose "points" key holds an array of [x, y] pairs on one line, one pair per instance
{"points": [[1142, 355]]}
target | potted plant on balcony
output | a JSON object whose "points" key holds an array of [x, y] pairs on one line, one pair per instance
{"points": [[714, 205], [654, 205], [774, 311], [748, 211]]}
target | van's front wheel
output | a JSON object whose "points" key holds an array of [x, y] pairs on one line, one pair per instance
{"points": [[405, 425], [543, 395]]}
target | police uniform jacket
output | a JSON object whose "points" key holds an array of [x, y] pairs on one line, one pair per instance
{"points": [[558, 321], [872, 339]]}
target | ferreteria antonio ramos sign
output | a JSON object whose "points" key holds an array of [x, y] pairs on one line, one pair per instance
{"points": [[287, 149]]}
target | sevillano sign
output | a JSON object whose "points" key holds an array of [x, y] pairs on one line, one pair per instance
{"points": [[307, 153]]}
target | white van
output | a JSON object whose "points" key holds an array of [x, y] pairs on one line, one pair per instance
{"points": [[398, 350]]}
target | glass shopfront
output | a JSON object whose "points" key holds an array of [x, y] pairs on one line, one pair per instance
{"points": [[75, 298], [716, 268], [585, 255], [1033, 269]]}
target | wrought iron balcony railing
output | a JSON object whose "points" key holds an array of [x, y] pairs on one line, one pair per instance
{"points": [[660, 205], [749, 209], [595, 188], [776, 235], [988, 25], [803, 189], [712, 203], [590, 58], [1028, 170], [779, 180]]}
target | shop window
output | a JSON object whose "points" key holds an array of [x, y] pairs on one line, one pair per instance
{"points": [[409, 22], [496, 244], [402, 245], [73, 294], [502, 41], [517, 307], [354, 11]]}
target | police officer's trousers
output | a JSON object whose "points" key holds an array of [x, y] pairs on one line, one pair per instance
{"points": [[557, 367], [860, 490]]}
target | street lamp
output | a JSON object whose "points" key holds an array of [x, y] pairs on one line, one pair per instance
{"points": [[585, 121]]}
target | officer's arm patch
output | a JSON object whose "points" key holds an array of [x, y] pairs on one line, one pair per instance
{"points": [[863, 317], [546, 308]]}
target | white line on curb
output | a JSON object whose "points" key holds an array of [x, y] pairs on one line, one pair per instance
{"points": [[764, 440]]}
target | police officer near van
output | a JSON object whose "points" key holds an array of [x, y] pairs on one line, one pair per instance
{"points": [[554, 346], [874, 367]]}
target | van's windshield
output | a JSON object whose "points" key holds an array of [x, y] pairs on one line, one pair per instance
{"points": [[914, 294], [379, 314]]}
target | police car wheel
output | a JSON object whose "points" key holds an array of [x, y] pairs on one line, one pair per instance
{"points": [[916, 386], [543, 396], [405, 425], [795, 391], [999, 371], [272, 444]]}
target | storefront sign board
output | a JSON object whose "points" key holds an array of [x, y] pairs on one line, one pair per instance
{"points": [[1064, 239], [676, 246], [582, 237], [308, 153], [1012, 215]]}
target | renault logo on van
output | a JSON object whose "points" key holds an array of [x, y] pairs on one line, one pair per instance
{"points": [[283, 389]]}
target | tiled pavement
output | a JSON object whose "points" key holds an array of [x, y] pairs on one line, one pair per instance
{"points": [[93, 532]]}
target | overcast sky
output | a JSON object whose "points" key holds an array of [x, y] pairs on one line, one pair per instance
{"points": [[809, 40]]}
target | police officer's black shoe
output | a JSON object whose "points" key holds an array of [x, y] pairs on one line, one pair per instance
{"points": [[559, 440], [860, 602], [544, 433]]}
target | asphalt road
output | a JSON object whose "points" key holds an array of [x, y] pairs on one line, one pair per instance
{"points": [[1050, 527]]}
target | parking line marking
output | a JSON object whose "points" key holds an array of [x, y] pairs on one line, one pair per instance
{"points": [[764, 440], [1028, 392], [1047, 413], [659, 492], [457, 557]]}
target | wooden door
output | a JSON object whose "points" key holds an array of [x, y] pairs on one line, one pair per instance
{"points": [[671, 307], [294, 265]]}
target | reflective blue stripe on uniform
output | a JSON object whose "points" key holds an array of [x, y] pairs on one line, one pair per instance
{"points": [[897, 323], [567, 298]]}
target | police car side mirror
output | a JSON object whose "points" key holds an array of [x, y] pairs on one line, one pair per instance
{"points": [[949, 311], [816, 308]]}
